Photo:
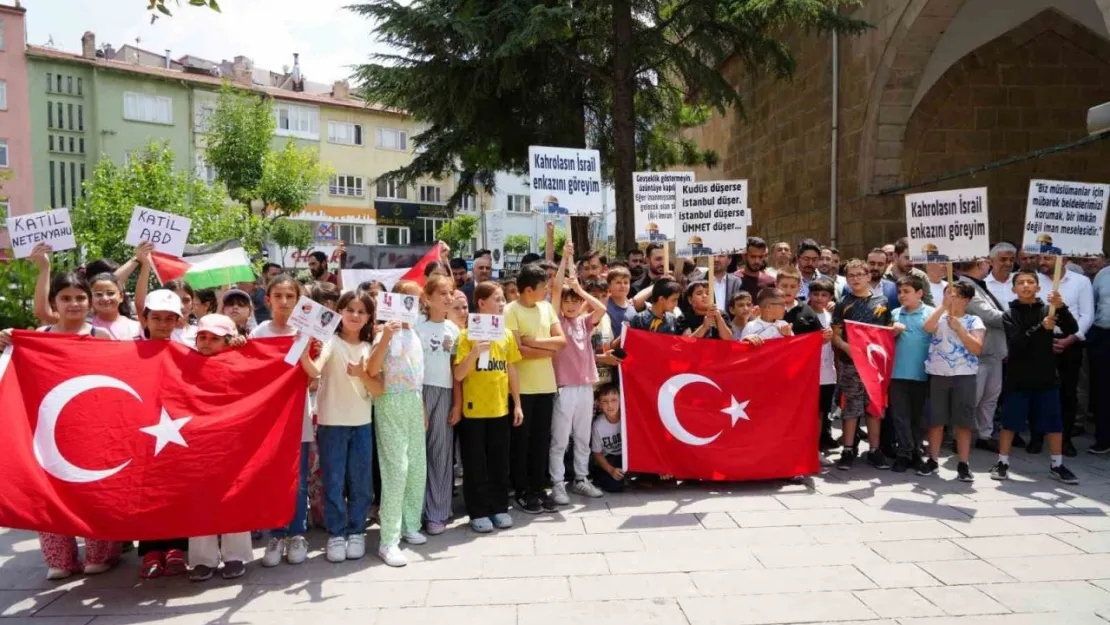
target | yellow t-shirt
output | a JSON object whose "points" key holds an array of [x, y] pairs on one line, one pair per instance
{"points": [[485, 391], [537, 375]]}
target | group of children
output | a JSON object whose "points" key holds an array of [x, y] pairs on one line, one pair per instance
{"points": [[397, 396]]}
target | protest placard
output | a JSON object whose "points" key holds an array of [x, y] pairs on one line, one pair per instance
{"points": [[565, 180], [1065, 218], [398, 306], [166, 231], [485, 327], [711, 217], [495, 237], [314, 319], [947, 226], [653, 193], [50, 227]]}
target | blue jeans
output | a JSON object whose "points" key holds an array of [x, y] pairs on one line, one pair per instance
{"points": [[299, 524], [345, 457]]}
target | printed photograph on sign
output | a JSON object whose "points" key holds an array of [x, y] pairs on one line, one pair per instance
{"points": [[52, 227], [565, 181], [947, 226], [397, 306], [711, 218], [1065, 218], [485, 327], [495, 237], [314, 319], [653, 193], [168, 232]]}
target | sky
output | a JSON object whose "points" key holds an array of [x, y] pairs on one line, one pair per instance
{"points": [[329, 38]]}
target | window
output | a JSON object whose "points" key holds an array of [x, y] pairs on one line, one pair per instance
{"points": [[430, 193], [468, 203], [69, 84], [391, 189], [393, 235], [389, 139], [3, 95], [50, 142], [71, 145], [61, 123], [58, 88], [53, 203], [519, 204], [49, 82], [2, 40], [49, 114], [80, 118], [345, 133], [82, 180], [297, 121], [3, 153], [140, 107], [127, 156], [428, 228], [202, 114], [73, 182], [353, 235], [62, 186], [79, 85], [69, 113], [81, 145], [346, 185]]}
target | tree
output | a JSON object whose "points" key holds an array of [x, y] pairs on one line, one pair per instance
{"points": [[288, 234], [160, 7], [101, 217], [623, 76], [240, 137], [458, 232], [17, 289], [518, 244]]}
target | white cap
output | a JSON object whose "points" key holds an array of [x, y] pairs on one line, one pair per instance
{"points": [[164, 300]]}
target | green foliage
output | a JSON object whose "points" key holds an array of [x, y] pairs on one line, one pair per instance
{"points": [[291, 235], [560, 240], [518, 244], [17, 289], [154, 7], [240, 131], [100, 219], [458, 232], [290, 178]]}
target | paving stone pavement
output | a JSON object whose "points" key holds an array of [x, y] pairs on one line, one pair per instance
{"points": [[845, 547]]}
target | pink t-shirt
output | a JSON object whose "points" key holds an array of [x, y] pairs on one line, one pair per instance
{"points": [[574, 364], [122, 329]]}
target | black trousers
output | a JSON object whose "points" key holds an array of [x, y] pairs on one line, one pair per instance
{"points": [[531, 445], [1098, 351], [147, 546], [824, 407], [485, 460], [1068, 364]]}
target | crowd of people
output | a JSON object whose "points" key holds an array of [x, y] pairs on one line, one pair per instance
{"points": [[398, 412]]}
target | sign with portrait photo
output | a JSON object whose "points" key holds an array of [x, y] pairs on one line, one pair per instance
{"points": [[947, 226], [711, 218], [399, 307], [1065, 218]]}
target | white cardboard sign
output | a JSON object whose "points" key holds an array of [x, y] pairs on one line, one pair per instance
{"points": [[565, 181], [711, 218], [313, 319], [168, 232], [485, 327], [398, 306], [948, 226], [654, 194], [1065, 218], [52, 227], [495, 237]]}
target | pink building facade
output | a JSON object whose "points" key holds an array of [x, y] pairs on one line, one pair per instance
{"points": [[17, 191]]}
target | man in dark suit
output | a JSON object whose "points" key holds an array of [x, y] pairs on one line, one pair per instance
{"points": [[725, 284]]}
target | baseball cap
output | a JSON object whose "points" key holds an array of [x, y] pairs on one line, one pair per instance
{"points": [[220, 325], [228, 293], [163, 300]]}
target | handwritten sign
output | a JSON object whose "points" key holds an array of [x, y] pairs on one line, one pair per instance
{"points": [[495, 237], [565, 180], [948, 226], [1065, 218], [654, 193], [712, 217], [166, 231], [314, 319], [398, 306], [485, 327], [50, 227]]}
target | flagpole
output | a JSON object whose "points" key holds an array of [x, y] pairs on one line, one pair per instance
{"points": [[1056, 273], [712, 287]]}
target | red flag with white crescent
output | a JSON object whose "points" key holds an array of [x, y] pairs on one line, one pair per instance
{"points": [[126, 440], [873, 355]]}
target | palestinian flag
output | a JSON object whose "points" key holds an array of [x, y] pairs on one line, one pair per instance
{"points": [[205, 271]]}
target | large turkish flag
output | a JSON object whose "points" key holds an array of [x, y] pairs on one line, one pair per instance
{"points": [[872, 350], [720, 410], [127, 440]]}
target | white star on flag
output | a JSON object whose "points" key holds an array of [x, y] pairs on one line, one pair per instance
{"points": [[736, 411], [167, 431]]}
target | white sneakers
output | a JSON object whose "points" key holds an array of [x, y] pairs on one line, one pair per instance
{"points": [[585, 488], [559, 493], [392, 555], [337, 549], [275, 549], [97, 569], [296, 549], [414, 538], [56, 574], [356, 546]]}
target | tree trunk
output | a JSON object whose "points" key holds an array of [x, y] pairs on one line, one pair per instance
{"points": [[579, 234], [624, 124]]}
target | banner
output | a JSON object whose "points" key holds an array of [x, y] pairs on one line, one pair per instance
{"points": [[565, 180], [52, 227], [712, 218], [654, 194], [144, 440], [948, 226], [720, 410], [495, 237], [872, 350], [168, 232], [1065, 218]]}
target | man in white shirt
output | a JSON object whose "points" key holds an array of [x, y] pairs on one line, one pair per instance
{"points": [[1078, 293], [998, 280]]}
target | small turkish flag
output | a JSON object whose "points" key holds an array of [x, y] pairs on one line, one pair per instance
{"points": [[720, 410], [873, 355], [126, 440]]}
